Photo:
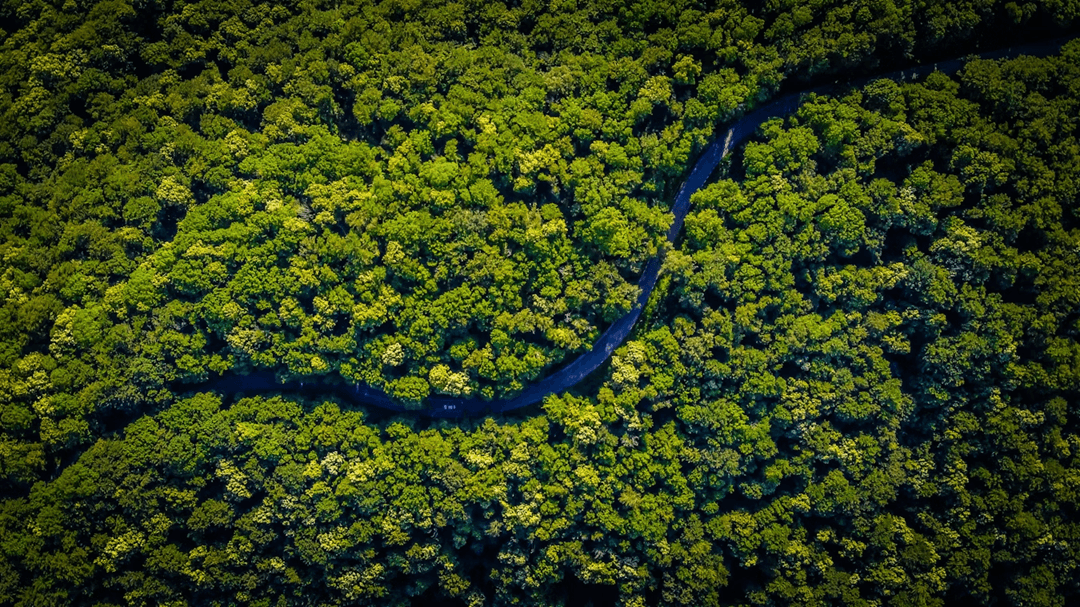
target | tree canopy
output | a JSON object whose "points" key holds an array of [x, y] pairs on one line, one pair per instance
{"points": [[855, 382]]}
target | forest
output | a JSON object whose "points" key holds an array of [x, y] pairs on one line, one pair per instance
{"points": [[856, 381]]}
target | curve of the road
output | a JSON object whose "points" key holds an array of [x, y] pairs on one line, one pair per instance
{"points": [[576, 370]]}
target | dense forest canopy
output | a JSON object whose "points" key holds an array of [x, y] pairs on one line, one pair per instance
{"points": [[855, 383]]}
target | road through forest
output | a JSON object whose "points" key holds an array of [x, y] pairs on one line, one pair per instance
{"points": [[577, 369]]}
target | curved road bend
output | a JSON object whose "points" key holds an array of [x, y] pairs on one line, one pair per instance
{"points": [[576, 370]]}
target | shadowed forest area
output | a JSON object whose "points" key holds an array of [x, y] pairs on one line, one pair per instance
{"points": [[855, 383]]}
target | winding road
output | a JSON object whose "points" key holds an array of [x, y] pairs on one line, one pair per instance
{"points": [[576, 370]]}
